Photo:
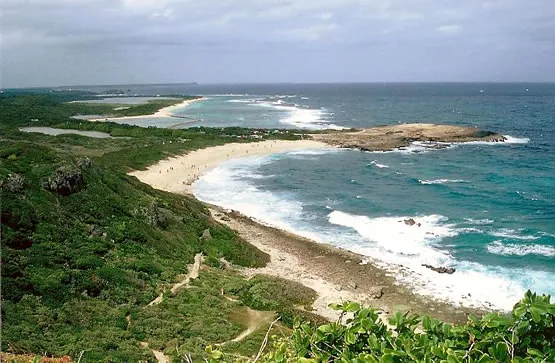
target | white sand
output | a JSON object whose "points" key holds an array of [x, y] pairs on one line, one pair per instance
{"points": [[176, 174], [163, 112]]}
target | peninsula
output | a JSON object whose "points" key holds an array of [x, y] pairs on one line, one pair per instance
{"points": [[386, 138]]}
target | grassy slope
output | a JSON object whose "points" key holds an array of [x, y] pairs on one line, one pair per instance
{"points": [[73, 267]]}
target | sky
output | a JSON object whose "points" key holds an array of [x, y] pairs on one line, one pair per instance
{"points": [[78, 42]]}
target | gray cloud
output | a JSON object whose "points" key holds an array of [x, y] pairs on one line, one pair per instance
{"points": [[51, 42]]}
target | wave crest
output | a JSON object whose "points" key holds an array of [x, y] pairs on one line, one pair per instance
{"points": [[513, 249]]}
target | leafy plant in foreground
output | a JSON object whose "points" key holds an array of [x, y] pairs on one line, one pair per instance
{"points": [[527, 335]]}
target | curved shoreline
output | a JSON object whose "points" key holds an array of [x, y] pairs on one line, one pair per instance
{"points": [[163, 112], [177, 174], [334, 273]]}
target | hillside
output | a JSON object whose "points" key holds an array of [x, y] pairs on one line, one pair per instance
{"points": [[98, 266], [85, 247]]}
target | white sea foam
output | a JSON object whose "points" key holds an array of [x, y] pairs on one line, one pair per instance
{"points": [[226, 186], [422, 147], [512, 234], [378, 165], [516, 140], [403, 249], [228, 95], [414, 148], [479, 222], [441, 181], [246, 100], [301, 117], [388, 241], [323, 151], [499, 248], [508, 140]]}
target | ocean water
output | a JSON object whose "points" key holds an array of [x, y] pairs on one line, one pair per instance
{"points": [[486, 209]]}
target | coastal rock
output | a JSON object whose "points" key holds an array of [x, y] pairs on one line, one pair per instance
{"points": [[84, 163], [352, 285], [206, 236], [376, 293], [385, 138], [14, 183], [65, 180], [94, 230], [156, 216], [410, 222], [441, 269]]}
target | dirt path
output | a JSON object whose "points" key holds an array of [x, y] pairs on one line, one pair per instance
{"points": [[160, 356], [254, 319], [193, 274]]}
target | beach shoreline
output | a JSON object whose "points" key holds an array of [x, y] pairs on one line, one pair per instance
{"points": [[335, 274], [177, 174], [163, 112]]}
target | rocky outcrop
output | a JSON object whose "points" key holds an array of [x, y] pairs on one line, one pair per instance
{"points": [[65, 180], [206, 236], [84, 163], [155, 215], [14, 183], [441, 269], [386, 138]]}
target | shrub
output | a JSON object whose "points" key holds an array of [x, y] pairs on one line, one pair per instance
{"points": [[526, 335]]}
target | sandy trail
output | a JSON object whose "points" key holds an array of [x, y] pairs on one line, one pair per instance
{"points": [[160, 356], [255, 320], [193, 274]]}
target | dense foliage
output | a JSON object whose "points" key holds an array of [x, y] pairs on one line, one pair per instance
{"points": [[81, 261], [527, 335]]}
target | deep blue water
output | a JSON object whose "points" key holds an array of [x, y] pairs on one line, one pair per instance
{"points": [[486, 209]]}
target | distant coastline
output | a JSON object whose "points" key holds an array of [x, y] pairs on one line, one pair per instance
{"points": [[163, 112]]}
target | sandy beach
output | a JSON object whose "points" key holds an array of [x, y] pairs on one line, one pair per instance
{"points": [[335, 274], [163, 112], [176, 174]]}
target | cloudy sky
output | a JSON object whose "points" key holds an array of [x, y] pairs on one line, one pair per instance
{"points": [[70, 42]]}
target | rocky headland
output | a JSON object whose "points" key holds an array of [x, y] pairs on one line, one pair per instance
{"points": [[386, 138]]}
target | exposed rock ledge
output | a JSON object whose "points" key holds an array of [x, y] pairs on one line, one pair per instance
{"points": [[385, 138]]}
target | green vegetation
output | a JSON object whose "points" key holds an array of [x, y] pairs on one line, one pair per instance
{"points": [[527, 335], [85, 248], [84, 245]]}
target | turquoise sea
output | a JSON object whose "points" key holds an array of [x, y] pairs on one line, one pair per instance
{"points": [[486, 209]]}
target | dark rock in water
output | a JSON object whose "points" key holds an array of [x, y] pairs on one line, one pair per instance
{"points": [[441, 269], [410, 222], [206, 236], [65, 180], [14, 183], [84, 163]]}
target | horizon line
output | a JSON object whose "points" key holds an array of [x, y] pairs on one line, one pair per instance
{"points": [[195, 84]]}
